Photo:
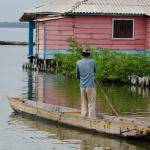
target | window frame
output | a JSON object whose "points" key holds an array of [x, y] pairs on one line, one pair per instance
{"points": [[133, 36]]}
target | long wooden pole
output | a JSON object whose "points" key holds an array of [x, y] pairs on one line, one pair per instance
{"points": [[107, 99]]}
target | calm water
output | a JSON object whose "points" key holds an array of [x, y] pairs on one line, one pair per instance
{"points": [[14, 34], [26, 134]]}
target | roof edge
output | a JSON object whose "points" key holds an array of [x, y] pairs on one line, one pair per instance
{"points": [[32, 16], [103, 14]]}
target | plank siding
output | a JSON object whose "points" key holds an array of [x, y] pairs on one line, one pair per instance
{"points": [[148, 33], [103, 41], [51, 42], [92, 26], [40, 36], [57, 32], [57, 46], [101, 33], [59, 22], [95, 30]]}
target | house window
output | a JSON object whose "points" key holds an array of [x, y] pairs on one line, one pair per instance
{"points": [[123, 29]]}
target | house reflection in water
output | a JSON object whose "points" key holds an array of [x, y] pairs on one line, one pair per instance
{"points": [[52, 89], [31, 87], [58, 90]]}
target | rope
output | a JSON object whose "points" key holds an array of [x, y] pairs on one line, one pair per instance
{"points": [[107, 99]]}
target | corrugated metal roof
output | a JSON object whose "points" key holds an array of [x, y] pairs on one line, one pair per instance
{"points": [[132, 7], [56, 6], [90, 7]]}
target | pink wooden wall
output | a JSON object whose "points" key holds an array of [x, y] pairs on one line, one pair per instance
{"points": [[57, 31], [148, 33], [39, 40], [95, 30]]}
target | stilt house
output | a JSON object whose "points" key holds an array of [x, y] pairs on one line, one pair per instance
{"points": [[120, 25]]}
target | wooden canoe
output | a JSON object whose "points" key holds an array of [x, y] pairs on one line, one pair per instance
{"points": [[120, 126]]}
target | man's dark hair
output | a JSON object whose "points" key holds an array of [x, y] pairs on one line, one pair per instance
{"points": [[86, 53]]}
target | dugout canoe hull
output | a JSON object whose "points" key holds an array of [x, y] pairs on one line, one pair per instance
{"points": [[120, 126]]}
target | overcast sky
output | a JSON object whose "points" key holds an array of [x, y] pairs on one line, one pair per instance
{"points": [[12, 10]]}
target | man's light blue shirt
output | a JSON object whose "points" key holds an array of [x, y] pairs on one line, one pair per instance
{"points": [[85, 69]]}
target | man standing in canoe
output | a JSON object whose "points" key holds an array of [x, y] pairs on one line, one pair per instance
{"points": [[85, 70]]}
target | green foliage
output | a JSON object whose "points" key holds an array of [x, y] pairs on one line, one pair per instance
{"points": [[111, 66], [114, 66], [68, 61]]}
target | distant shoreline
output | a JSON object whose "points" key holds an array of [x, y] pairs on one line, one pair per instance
{"points": [[13, 25], [13, 43]]}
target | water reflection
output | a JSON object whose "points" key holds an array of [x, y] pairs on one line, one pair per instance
{"points": [[31, 86], [140, 91], [50, 88], [20, 133], [56, 89], [79, 140]]}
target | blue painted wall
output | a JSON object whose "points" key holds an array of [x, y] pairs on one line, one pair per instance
{"points": [[49, 54]]}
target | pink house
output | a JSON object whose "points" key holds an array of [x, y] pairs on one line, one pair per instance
{"points": [[120, 25]]}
